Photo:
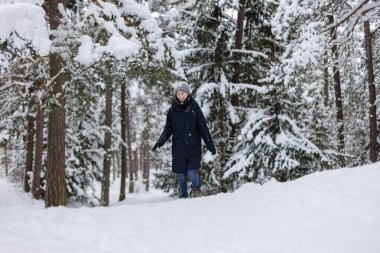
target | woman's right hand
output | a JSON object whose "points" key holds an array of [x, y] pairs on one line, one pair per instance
{"points": [[157, 145]]}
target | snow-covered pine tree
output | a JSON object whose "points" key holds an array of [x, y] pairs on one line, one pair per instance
{"points": [[355, 82], [130, 40], [274, 140], [24, 47], [349, 19], [376, 59], [84, 144]]}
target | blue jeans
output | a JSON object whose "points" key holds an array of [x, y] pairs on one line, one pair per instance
{"points": [[182, 179]]}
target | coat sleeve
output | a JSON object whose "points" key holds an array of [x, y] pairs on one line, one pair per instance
{"points": [[205, 133], [168, 130]]}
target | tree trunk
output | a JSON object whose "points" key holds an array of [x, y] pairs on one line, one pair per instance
{"points": [[145, 152], [222, 145], [337, 87], [372, 94], [29, 153], [114, 168], [107, 145], [141, 155], [130, 156], [6, 157], [119, 166], [123, 147], [326, 81], [38, 152], [238, 45], [56, 184], [234, 126], [136, 159]]}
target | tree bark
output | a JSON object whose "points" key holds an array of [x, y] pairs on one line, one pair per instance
{"points": [[56, 184], [29, 153], [130, 155], [6, 157], [372, 94], [119, 167], [237, 65], [135, 159], [114, 168], [141, 155], [338, 90], [326, 81], [123, 147], [222, 145], [38, 152], [238, 45], [145, 152], [107, 145], [233, 133]]}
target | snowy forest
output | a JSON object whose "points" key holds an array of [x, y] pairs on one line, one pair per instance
{"points": [[288, 88]]}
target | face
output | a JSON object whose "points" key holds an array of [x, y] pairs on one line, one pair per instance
{"points": [[181, 95]]}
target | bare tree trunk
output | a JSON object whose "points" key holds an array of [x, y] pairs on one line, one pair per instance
{"points": [[56, 184], [222, 145], [114, 168], [147, 168], [326, 81], [6, 157], [38, 147], [372, 94], [238, 45], [135, 154], [119, 166], [135, 159], [337, 87], [237, 68], [130, 155], [107, 145], [145, 152], [29, 153], [123, 147], [141, 156], [38, 153]]}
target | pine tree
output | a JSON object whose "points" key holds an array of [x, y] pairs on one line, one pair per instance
{"points": [[56, 184], [274, 141], [372, 93], [22, 68]]}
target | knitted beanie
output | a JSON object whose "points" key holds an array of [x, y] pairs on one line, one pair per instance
{"points": [[182, 86]]}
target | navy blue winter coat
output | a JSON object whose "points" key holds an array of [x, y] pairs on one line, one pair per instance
{"points": [[187, 125]]}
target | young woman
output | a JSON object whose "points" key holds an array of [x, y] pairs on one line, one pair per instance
{"points": [[186, 122]]}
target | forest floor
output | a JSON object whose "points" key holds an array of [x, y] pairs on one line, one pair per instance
{"points": [[331, 212]]}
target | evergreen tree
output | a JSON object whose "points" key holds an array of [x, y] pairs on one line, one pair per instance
{"points": [[22, 68], [274, 141]]}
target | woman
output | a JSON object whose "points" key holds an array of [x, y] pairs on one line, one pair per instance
{"points": [[186, 122]]}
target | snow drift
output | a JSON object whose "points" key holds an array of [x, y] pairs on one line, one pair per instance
{"points": [[331, 211]]}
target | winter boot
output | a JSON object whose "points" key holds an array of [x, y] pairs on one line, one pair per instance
{"points": [[195, 193]]}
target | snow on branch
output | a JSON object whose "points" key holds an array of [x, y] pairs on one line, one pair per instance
{"points": [[133, 9], [130, 27], [242, 86], [118, 45], [251, 52], [24, 23], [36, 2], [358, 11]]}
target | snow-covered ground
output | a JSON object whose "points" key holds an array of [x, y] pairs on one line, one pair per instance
{"points": [[328, 212]]}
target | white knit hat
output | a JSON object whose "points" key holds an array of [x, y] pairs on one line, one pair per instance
{"points": [[182, 86]]}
